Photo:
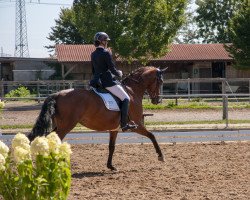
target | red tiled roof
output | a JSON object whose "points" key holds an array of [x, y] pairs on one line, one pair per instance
{"points": [[178, 52], [73, 53], [196, 52]]}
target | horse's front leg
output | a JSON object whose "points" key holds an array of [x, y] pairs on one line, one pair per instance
{"points": [[112, 139], [143, 131]]}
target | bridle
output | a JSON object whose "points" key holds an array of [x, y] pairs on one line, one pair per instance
{"points": [[159, 80]]}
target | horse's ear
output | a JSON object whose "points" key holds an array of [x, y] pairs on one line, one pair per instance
{"points": [[164, 70]]}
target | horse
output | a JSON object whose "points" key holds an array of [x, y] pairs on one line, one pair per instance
{"points": [[63, 110]]}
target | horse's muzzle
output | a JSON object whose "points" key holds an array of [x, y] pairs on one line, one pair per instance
{"points": [[156, 100]]}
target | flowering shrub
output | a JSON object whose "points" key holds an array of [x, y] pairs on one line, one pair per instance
{"points": [[38, 171], [1, 105]]}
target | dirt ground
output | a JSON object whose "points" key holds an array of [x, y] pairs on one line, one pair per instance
{"points": [[190, 172]]}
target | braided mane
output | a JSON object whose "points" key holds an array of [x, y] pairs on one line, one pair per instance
{"points": [[136, 74]]}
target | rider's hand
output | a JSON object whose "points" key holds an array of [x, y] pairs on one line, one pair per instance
{"points": [[120, 73]]}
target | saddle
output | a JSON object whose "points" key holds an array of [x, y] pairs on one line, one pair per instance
{"points": [[110, 101]]}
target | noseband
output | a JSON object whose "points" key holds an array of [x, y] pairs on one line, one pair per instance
{"points": [[159, 80]]}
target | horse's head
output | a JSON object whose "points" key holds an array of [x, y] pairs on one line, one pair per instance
{"points": [[148, 79], [154, 80]]}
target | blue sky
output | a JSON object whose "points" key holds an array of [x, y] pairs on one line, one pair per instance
{"points": [[40, 18]]}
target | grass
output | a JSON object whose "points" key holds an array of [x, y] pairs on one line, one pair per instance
{"points": [[199, 122], [82, 128], [198, 104]]}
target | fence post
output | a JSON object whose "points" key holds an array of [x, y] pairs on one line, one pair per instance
{"points": [[176, 92], [38, 90], [188, 89], [249, 89], [225, 109], [223, 89], [2, 89]]}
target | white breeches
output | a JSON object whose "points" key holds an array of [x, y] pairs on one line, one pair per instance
{"points": [[118, 91]]}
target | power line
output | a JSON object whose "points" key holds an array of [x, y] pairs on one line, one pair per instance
{"points": [[52, 4], [38, 2]]}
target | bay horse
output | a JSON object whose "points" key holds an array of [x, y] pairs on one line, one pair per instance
{"points": [[63, 110]]}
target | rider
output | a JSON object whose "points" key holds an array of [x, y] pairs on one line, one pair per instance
{"points": [[104, 69]]}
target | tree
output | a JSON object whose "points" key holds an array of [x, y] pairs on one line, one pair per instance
{"points": [[239, 33], [65, 31], [138, 29], [188, 32], [213, 18]]}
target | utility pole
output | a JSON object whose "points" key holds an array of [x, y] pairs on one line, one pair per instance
{"points": [[21, 41]]}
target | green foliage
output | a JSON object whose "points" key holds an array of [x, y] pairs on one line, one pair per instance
{"points": [[239, 32], [2, 104], [187, 34], [139, 29], [213, 19], [65, 30], [172, 105], [19, 92]]}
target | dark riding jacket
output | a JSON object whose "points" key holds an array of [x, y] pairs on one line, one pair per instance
{"points": [[102, 68]]}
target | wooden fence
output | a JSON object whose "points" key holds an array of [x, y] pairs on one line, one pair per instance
{"points": [[41, 89]]}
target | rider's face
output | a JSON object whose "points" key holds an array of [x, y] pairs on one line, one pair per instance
{"points": [[105, 44]]}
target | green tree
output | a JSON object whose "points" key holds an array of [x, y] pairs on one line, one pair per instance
{"points": [[239, 33], [213, 18], [138, 29], [65, 31], [187, 33]]}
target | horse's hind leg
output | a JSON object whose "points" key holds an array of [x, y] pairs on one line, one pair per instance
{"points": [[112, 139], [143, 131], [63, 127]]}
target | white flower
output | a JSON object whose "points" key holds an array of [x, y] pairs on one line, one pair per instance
{"points": [[4, 149], [2, 162], [20, 140], [65, 150], [54, 142], [1, 104], [21, 154], [40, 146]]}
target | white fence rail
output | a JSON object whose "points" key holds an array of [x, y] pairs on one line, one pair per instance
{"points": [[173, 89]]}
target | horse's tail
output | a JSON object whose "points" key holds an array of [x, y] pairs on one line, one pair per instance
{"points": [[43, 123]]}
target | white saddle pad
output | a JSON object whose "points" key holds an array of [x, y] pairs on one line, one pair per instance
{"points": [[108, 100]]}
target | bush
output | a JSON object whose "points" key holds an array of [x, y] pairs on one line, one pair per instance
{"points": [[1, 105], [19, 92], [37, 171]]}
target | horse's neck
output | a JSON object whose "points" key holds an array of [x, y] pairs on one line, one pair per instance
{"points": [[137, 90]]}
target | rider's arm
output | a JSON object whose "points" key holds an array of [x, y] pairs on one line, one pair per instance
{"points": [[111, 65], [92, 66]]}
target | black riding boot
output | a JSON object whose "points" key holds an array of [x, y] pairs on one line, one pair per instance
{"points": [[124, 116]]}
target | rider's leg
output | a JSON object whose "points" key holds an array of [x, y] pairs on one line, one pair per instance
{"points": [[118, 91]]}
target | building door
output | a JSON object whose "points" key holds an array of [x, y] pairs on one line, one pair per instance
{"points": [[7, 71], [218, 71], [205, 88]]}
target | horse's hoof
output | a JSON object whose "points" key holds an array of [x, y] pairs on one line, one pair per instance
{"points": [[113, 169], [161, 158]]}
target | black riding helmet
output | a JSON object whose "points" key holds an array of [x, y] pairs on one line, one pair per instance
{"points": [[100, 37]]}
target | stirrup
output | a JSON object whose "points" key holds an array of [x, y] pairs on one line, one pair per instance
{"points": [[129, 126]]}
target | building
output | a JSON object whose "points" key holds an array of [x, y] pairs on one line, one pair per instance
{"points": [[183, 60], [26, 69]]}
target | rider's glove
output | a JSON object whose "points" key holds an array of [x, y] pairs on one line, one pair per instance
{"points": [[120, 73]]}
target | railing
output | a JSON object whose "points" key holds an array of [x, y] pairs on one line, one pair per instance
{"points": [[40, 89], [171, 89]]}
